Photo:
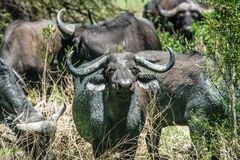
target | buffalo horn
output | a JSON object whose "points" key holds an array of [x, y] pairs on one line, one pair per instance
{"points": [[157, 67], [67, 30], [57, 115], [46, 126], [181, 7], [87, 68]]}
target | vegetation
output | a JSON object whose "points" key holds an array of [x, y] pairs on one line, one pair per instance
{"points": [[217, 36], [223, 25], [47, 9]]}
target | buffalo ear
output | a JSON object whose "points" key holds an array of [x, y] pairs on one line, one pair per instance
{"points": [[145, 78], [95, 87], [96, 83]]}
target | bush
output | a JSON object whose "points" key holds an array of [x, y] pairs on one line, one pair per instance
{"points": [[223, 45], [223, 27]]}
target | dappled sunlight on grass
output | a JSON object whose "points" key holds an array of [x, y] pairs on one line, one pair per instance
{"points": [[134, 6]]}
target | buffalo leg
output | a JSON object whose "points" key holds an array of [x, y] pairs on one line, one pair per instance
{"points": [[201, 139], [97, 119], [135, 121], [89, 118]]}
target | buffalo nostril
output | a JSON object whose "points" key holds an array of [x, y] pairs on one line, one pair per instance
{"points": [[125, 85], [187, 28]]}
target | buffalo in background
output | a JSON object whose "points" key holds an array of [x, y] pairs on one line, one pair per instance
{"points": [[23, 47], [111, 98], [175, 16], [90, 42], [19, 114]]}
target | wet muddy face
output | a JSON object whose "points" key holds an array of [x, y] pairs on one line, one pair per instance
{"points": [[184, 21], [121, 73]]}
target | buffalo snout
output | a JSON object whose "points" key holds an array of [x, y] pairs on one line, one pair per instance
{"points": [[188, 34], [124, 84], [187, 28]]}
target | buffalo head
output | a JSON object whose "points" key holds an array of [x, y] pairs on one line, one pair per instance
{"points": [[120, 70], [182, 16]]}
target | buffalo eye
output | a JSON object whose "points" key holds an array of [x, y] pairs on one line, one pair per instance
{"points": [[135, 70], [111, 71], [181, 15], [195, 15]]}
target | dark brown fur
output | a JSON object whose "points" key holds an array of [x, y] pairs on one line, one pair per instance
{"points": [[185, 72], [187, 93], [125, 30], [23, 48]]}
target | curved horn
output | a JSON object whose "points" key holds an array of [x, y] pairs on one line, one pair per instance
{"points": [[67, 30], [40, 127], [46, 126], [87, 68], [195, 7], [169, 13], [57, 115], [156, 67], [92, 20]]}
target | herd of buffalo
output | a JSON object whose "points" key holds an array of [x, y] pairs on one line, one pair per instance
{"points": [[113, 90]]}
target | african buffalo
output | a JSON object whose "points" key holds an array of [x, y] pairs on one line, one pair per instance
{"points": [[181, 13], [93, 41], [110, 102], [23, 47], [187, 96], [19, 114], [115, 89]]}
